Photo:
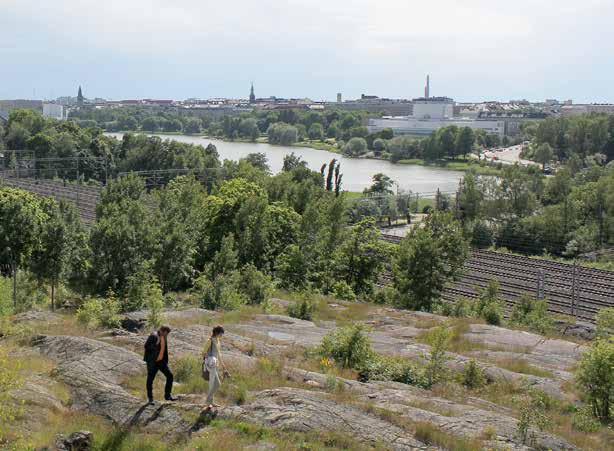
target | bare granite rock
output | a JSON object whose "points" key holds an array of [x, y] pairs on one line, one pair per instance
{"points": [[304, 411]]}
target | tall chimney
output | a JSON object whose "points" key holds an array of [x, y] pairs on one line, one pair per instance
{"points": [[427, 88]]}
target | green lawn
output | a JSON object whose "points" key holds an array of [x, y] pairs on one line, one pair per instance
{"points": [[456, 165]]}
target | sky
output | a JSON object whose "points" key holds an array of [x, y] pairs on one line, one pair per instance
{"points": [[175, 49]]}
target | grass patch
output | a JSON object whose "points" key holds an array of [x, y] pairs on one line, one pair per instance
{"points": [[455, 165], [458, 344], [228, 435], [523, 367], [432, 435]]}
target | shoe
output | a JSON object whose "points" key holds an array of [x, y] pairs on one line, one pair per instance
{"points": [[150, 402], [170, 398]]}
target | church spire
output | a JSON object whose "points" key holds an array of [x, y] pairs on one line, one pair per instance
{"points": [[80, 97], [252, 96]]}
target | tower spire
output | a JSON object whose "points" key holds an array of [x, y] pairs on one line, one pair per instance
{"points": [[252, 96], [427, 88]]}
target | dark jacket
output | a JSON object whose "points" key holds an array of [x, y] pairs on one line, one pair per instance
{"points": [[152, 349]]}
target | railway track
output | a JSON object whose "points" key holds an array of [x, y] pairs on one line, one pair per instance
{"points": [[569, 290], [580, 291], [85, 198]]}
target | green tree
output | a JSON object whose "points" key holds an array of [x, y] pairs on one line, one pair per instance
{"points": [[316, 132], [21, 222], [382, 184], [427, 258], [62, 238], [596, 378], [544, 154], [361, 256], [193, 125], [150, 124], [355, 147], [248, 128], [465, 139]]}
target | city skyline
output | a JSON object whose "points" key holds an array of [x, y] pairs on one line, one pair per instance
{"points": [[474, 51]]}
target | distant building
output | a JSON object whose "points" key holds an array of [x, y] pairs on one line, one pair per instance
{"points": [[53, 111], [425, 127], [252, 95], [339, 98], [433, 108], [578, 109], [4, 117], [80, 97], [429, 115]]}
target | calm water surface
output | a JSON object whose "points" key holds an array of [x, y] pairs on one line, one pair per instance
{"points": [[357, 173]]}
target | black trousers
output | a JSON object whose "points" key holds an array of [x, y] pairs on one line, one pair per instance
{"points": [[152, 370]]}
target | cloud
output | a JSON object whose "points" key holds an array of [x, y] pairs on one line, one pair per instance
{"points": [[312, 47]]}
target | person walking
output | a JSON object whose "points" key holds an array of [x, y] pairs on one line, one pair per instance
{"points": [[213, 362], [156, 357]]}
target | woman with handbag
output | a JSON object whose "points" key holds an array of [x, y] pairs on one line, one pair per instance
{"points": [[212, 362]]}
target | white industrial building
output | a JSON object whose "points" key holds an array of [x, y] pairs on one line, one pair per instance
{"points": [[53, 111], [429, 115]]}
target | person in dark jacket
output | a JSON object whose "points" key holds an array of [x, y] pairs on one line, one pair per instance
{"points": [[156, 357]]}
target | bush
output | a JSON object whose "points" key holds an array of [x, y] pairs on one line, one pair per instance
{"points": [[436, 370], [302, 309], [492, 313], [96, 312], [488, 305], [253, 284], [533, 413], [186, 368], [6, 296], [392, 369], [596, 378], [532, 314], [385, 295], [155, 304], [341, 290], [219, 294], [473, 376], [349, 346], [605, 323], [584, 421]]}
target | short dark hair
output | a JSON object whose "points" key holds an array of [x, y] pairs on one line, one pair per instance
{"points": [[165, 329], [217, 330]]}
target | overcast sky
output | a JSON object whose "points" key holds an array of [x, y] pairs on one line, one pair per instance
{"points": [[473, 49]]}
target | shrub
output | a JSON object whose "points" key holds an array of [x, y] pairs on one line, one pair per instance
{"points": [[435, 370], [253, 284], [493, 313], [186, 368], [155, 304], [473, 376], [533, 413], [596, 378], [342, 290], [488, 305], [532, 314], [394, 369], [96, 312], [584, 421], [349, 346], [137, 288], [605, 322], [221, 293], [302, 309], [385, 295]]}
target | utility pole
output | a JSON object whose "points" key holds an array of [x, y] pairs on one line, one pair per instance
{"points": [[540, 284], [573, 288]]}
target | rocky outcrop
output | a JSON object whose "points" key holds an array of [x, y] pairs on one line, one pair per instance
{"points": [[305, 411], [94, 370]]}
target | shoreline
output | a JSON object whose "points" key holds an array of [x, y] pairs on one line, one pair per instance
{"points": [[455, 165]]}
